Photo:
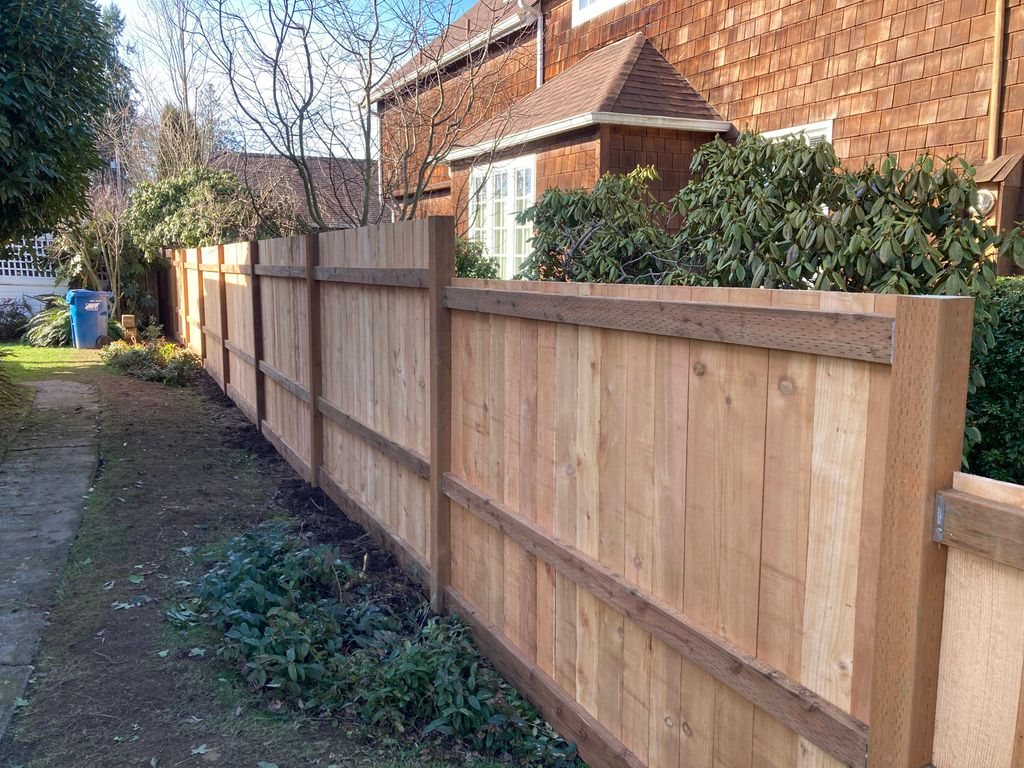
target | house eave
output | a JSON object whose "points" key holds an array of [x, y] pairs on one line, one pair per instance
{"points": [[696, 125], [513, 23]]}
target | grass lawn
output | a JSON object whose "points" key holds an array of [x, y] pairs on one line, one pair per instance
{"points": [[116, 684], [32, 363]]}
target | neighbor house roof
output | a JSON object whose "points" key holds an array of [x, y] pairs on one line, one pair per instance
{"points": [[624, 83], [340, 183], [484, 23]]}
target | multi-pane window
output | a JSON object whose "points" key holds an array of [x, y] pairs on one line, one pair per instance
{"points": [[812, 133], [498, 192], [585, 10]]}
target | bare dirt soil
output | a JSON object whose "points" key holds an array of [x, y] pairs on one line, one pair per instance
{"points": [[116, 684]]}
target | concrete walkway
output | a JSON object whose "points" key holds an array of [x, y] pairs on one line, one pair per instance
{"points": [[44, 479]]}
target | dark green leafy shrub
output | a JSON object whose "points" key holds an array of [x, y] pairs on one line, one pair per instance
{"points": [[52, 95], [51, 327], [153, 361], [14, 313], [615, 233], [305, 627], [998, 406], [202, 206], [470, 261]]}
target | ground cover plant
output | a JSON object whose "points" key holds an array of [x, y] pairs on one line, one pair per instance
{"points": [[307, 629], [154, 360]]}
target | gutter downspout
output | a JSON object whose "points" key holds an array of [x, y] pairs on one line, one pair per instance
{"points": [[538, 14], [995, 109]]}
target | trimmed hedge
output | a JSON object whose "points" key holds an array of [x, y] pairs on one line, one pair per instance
{"points": [[998, 406]]}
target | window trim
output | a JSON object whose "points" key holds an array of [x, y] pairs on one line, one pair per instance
{"points": [[822, 128], [598, 8], [510, 165]]}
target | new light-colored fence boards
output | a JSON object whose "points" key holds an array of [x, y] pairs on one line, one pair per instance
{"points": [[980, 717], [376, 388], [241, 385], [693, 525], [213, 326], [286, 349]]}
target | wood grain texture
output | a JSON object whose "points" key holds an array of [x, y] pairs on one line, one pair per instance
{"points": [[926, 421], [595, 743], [800, 708], [990, 529], [980, 716], [281, 270], [396, 277], [441, 247], [414, 460], [849, 335]]}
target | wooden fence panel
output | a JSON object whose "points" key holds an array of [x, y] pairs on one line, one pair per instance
{"points": [[704, 474], [213, 333], [980, 713], [193, 301], [673, 515], [376, 398], [286, 350], [237, 276]]}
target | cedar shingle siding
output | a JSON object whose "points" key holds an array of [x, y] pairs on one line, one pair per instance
{"points": [[898, 76]]}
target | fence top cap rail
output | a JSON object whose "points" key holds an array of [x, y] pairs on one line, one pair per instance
{"points": [[853, 335]]}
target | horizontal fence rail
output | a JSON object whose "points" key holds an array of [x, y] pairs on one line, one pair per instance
{"points": [[693, 525]]}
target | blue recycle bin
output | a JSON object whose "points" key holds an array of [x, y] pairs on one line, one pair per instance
{"points": [[90, 316]]}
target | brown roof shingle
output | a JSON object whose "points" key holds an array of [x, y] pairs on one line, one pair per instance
{"points": [[629, 77]]}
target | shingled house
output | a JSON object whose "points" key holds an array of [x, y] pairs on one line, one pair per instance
{"points": [[604, 85]]}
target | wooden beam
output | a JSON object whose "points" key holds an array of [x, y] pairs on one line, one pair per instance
{"points": [[236, 269], [835, 334], [238, 352], [290, 384], [210, 267], [212, 334], [292, 457], [384, 276], [314, 372], [239, 401], [595, 743], [407, 457], [990, 529], [280, 270], [257, 332], [409, 560], [441, 250], [798, 708], [928, 392]]}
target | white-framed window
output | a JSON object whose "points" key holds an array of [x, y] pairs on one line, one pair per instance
{"points": [[814, 133], [585, 10], [497, 192]]}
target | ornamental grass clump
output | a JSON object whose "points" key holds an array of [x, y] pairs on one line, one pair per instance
{"points": [[306, 628]]}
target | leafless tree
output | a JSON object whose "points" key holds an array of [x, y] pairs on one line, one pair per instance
{"points": [[309, 77]]}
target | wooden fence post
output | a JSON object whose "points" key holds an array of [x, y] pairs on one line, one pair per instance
{"points": [[186, 334], [316, 419], [931, 357], [257, 333], [222, 288], [441, 250], [201, 302]]}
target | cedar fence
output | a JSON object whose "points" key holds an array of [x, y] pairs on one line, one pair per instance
{"points": [[694, 526]]}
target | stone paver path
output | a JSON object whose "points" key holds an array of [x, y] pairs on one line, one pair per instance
{"points": [[44, 479]]}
